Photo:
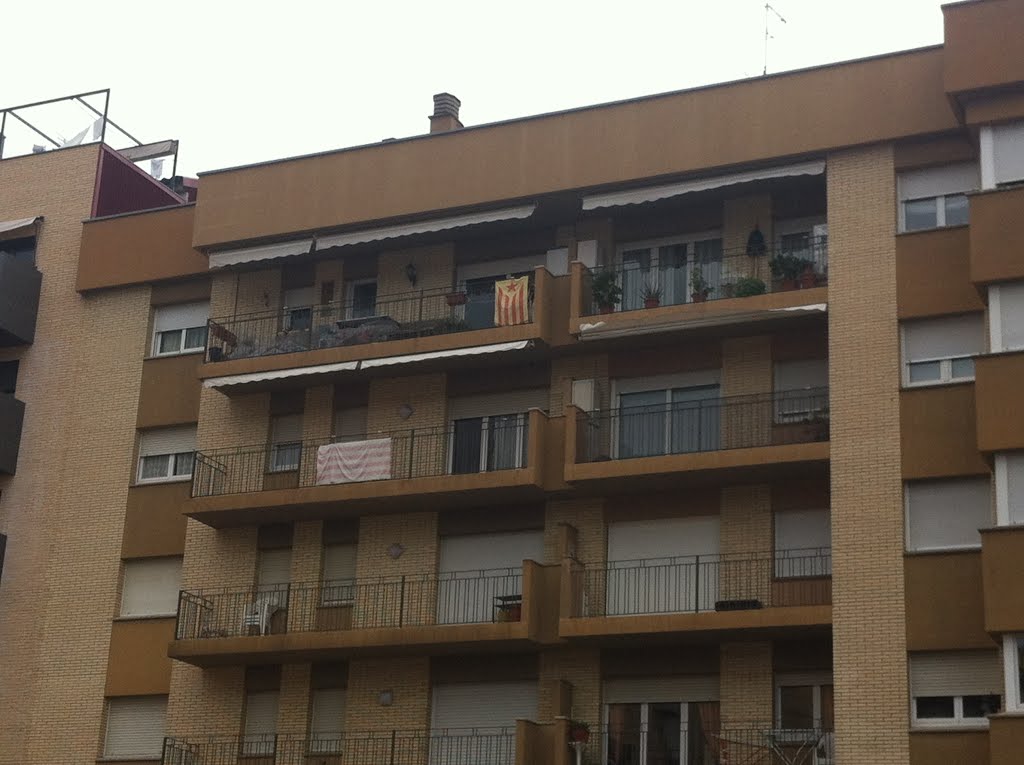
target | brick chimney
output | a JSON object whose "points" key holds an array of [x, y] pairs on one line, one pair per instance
{"points": [[446, 113]]}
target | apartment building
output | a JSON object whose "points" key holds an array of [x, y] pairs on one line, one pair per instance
{"points": [[681, 430]]}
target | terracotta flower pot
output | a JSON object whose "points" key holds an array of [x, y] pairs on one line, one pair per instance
{"points": [[605, 308], [580, 735], [808, 279], [652, 302], [455, 299], [698, 297]]}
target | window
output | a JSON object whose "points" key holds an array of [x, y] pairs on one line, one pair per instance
{"points": [[325, 726], [491, 431], [180, 328], [804, 701], [135, 727], [937, 351], [805, 238], [803, 540], [350, 424], [22, 250], [285, 442], [362, 299], [946, 515], [339, 575], [260, 724], [801, 390], [652, 420], [151, 587], [935, 197], [3, 551], [167, 454], [9, 377], [1009, 470], [297, 309], [1013, 667], [954, 687], [1006, 316], [671, 266], [1008, 153]]}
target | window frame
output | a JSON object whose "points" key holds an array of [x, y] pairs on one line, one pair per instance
{"points": [[957, 720], [816, 681], [1001, 474], [183, 350], [665, 384], [522, 440], [279, 447], [940, 212], [169, 476], [1013, 692], [653, 273], [945, 362], [907, 524], [350, 297]]}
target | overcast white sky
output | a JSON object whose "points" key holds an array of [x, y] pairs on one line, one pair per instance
{"points": [[241, 82]]}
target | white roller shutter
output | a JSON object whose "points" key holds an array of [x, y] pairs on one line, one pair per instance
{"points": [[488, 404], [944, 338], [955, 673], [167, 440], [1014, 487], [490, 551], [286, 429], [339, 562], [1008, 152], [480, 572], [939, 181], [800, 375], [1010, 299], [328, 711], [661, 688], [275, 567], [502, 267], [260, 713], [181, 316], [799, 529], [483, 705], [664, 538], [300, 297], [947, 514], [151, 587], [135, 727], [350, 424]]}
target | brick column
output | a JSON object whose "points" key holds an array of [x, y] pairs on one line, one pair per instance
{"points": [[746, 371], [409, 683], [745, 570], [293, 705], [739, 216], [581, 669], [746, 696]]}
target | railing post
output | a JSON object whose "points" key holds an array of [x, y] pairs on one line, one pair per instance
{"points": [[401, 602], [696, 586], [412, 438], [394, 738]]}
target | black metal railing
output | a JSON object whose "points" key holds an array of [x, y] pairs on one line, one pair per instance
{"points": [[703, 425], [713, 744], [450, 746], [690, 276], [694, 583], [401, 316], [469, 446], [462, 597]]}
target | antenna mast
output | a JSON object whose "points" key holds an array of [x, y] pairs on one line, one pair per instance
{"points": [[768, 10]]}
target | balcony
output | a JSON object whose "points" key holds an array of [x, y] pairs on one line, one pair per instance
{"points": [[500, 609], [996, 239], [1002, 569], [12, 415], [424, 468], [749, 591], [437, 321], [710, 439], [716, 288], [997, 379], [20, 282], [489, 746]]}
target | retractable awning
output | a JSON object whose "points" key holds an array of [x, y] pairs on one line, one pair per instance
{"points": [[281, 374], [388, 361], [654, 193], [263, 252], [9, 228]]}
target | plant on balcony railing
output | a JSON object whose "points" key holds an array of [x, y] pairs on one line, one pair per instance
{"points": [[478, 445], [695, 583], [712, 274], [450, 746], [703, 425], [401, 316], [462, 597]]}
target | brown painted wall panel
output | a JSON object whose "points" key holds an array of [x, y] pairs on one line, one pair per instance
{"points": [[982, 44], [132, 249], [998, 382], [953, 747], [138, 664], [1006, 739], [1002, 565], [154, 524], [944, 602], [937, 432], [933, 275], [934, 150], [997, 238], [169, 393], [884, 98]]}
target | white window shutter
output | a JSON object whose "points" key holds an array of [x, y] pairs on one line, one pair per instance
{"points": [[583, 394], [181, 438], [350, 424], [261, 713], [586, 253], [801, 375], [944, 338], [661, 688], [339, 563], [300, 297], [151, 586], [1011, 316], [497, 403], [183, 316], [328, 711], [135, 727], [275, 567], [955, 673], [800, 529], [939, 181], [947, 514], [286, 429], [483, 705], [558, 261], [1008, 152], [1015, 487]]}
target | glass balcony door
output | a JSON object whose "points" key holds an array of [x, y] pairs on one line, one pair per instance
{"points": [[668, 421], [669, 269], [660, 733], [485, 444]]}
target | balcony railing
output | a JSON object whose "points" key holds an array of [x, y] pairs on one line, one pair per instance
{"points": [[477, 446], [695, 583], [705, 742], [710, 275], [450, 746], [463, 597], [703, 425], [401, 316]]}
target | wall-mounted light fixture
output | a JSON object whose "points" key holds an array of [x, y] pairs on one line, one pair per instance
{"points": [[386, 697], [395, 551], [410, 274], [405, 411]]}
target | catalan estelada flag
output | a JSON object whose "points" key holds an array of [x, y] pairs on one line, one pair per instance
{"points": [[511, 301]]}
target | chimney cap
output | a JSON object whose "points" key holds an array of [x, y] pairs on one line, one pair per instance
{"points": [[446, 105]]}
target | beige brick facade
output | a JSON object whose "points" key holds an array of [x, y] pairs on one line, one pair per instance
{"points": [[407, 680]]}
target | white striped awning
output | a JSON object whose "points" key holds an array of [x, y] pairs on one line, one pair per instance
{"points": [[665, 191], [388, 361], [7, 226], [279, 374]]}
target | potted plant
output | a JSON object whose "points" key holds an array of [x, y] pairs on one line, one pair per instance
{"points": [[651, 295], [605, 291], [787, 269], [699, 288], [579, 732], [454, 299], [749, 286], [807, 277]]}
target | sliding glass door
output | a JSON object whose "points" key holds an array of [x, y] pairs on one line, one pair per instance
{"points": [[668, 421]]}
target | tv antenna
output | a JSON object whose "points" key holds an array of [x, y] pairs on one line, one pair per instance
{"points": [[768, 12]]}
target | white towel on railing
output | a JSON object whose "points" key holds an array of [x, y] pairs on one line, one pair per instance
{"points": [[354, 461]]}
